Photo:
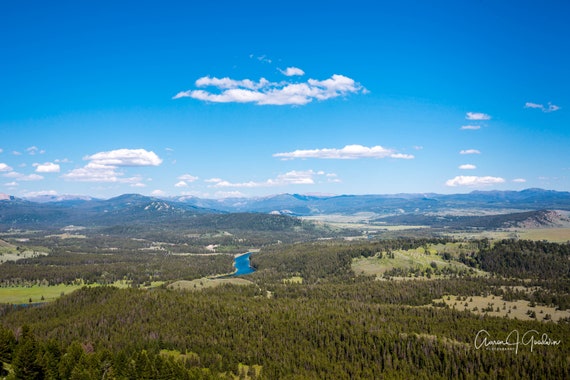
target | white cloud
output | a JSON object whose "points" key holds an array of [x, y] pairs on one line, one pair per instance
{"points": [[11, 184], [402, 156], [292, 71], [181, 184], [22, 177], [33, 194], [16, 153], [519, 180], [33, 150], [477, 116], [1, 150], [4, 167], [103, 166], [264, 92], [471, 127], [93, 172], [533, 105], [548, 108], [552, 108], [125, 157], [349, 152], [294, 177], [262, 58], [229, 194], [47, 167], [467, 167], [473, 181], [187, 178], [158, 193], [470, 151], [138, 184]]}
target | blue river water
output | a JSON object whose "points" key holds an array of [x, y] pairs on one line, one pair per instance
{"points": [[242, 265]]}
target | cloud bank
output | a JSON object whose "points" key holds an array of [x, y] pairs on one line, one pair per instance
{"points": [[125, 157], [473, 181], [103, 166], [264, 92], [349, 152], [294, 177]]}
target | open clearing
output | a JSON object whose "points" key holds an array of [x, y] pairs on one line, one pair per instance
{"points": [[19, 295], [556, 235], [22, 295], [413, 259], [497, 307]]}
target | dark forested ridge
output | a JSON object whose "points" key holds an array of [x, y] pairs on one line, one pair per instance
{"points": [[536, 218]]}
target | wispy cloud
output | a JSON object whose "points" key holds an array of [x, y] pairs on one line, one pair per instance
{"points": [[473, 181], [48, 167], [470, 127], [99, 173], [548, 108], [349, 152], [294, 177], [477, 116], [5, 168], [33, 194], [261, 58], [23, 177], [519, 180], [467, 167], [103, 166], [187, 178], [33, 150], [264, 92], [470, 151], [292, 71]]}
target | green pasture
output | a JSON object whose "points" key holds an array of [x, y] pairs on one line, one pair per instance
{"points": [[41, 293]]}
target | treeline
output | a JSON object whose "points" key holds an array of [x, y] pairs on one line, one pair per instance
{"points": [[526, 259], [61, 267], [325, 260], [468, 222], [124, 334]]}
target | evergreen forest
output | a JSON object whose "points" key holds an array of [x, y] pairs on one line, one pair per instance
{"points": [[303, 314]]}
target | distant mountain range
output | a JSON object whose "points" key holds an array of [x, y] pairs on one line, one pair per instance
{"points": [[59, 211], [305, 205]]}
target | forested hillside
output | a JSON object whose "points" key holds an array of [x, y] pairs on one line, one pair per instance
{"points": [[306, 314]]}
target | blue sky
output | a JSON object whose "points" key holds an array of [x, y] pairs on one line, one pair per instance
{"points": [[224, 98]]}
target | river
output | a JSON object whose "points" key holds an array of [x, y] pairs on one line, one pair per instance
{"points": [[242, 265]]}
